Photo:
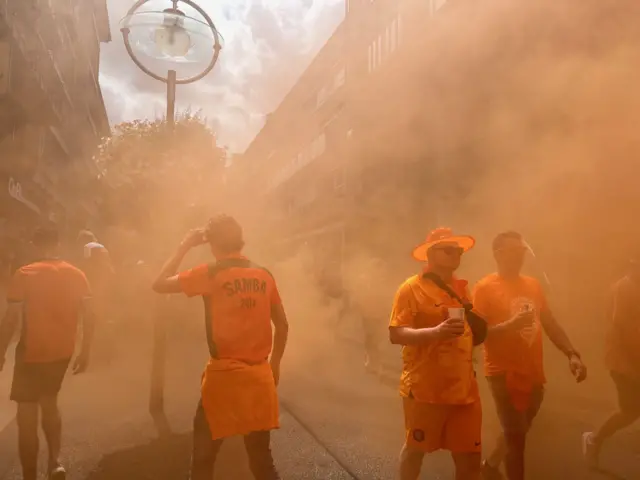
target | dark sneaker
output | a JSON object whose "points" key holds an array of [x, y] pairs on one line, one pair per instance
{"points": [[491, 473], [58, 473]]}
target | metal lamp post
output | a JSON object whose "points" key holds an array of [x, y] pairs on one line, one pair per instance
{"points": [[168, 40], [173, 34]]}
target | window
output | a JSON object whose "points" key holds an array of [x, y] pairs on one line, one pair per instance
{"points": [[374, 55], [312, 151], [325, 92], [438, 4], [394, 35], [333, 118], [318, 146], [387, 42], [321, 97], [340, 78], [339, 180]]}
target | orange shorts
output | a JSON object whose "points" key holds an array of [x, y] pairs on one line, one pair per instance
{"points": [[239, 399], [430, 427]]}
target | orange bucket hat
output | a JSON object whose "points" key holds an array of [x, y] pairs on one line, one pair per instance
{"points": [[442, 235]]}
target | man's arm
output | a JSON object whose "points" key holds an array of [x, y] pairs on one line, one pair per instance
{"points": [[559, 338], [87, 314], [556, 333], [8, 328], [413, 336], [167, 280], [281, 327], [281, 332], [482, 305], [401, 323]]}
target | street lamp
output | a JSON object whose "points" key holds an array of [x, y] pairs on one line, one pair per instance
{"points": [[159, 42], [172, 39]]}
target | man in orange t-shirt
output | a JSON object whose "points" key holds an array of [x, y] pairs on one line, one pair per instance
{"points": [[48, 297], [516, 310], [622, 360], [96, 264], [238, 391], [440, 395]]}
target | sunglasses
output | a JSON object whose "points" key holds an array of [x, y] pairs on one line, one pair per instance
{"points": [[450, 251]]}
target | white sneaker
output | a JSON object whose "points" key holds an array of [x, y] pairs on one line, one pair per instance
{"points": [[590, 450]]}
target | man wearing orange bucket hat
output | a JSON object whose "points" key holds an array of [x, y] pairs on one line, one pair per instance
{"points": [[433, 320], [238, 388], [517, 311]]}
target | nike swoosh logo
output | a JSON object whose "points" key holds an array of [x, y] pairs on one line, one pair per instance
{"points": [[438, 304], [478, 444]]}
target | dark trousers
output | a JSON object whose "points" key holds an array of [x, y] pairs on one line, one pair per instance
{"points": [[205, 451]]}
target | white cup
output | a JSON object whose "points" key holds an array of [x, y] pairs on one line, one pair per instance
{"points": [[456, 313]]}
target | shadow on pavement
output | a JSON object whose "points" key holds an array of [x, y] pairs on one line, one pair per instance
{"points": [[166, 458]]}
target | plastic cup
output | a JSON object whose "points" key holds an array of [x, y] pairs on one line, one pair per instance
{"points": [[456, 313]]}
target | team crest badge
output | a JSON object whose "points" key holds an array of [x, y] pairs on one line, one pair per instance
{"points": [[418, 435]]}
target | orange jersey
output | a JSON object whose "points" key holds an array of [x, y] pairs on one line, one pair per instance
{"points": [[623, 332], [238, 297], [238, 390], [438, 372], [51, 292], [497, 300]]}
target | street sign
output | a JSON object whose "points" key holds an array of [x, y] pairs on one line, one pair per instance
{"points": [[5, 66]]}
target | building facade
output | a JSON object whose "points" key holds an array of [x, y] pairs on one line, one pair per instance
{"points": [[52, 114], [321, 162]]}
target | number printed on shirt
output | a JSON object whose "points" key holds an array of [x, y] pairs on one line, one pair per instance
{"points": [[247, 302]]}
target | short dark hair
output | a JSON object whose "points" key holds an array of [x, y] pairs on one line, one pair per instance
{"points": [[500, 239], [224, 232], [44, 237]]}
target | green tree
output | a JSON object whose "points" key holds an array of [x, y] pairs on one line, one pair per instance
{"points": [[156, 178]]}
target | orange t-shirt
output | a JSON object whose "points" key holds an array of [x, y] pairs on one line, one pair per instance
{"points": [[238, 298], [497, 300], [438, 372], [238, 390], [623, 334], [51, 292]]}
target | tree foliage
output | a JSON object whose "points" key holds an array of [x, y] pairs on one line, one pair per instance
{"points": [[153, 174]]}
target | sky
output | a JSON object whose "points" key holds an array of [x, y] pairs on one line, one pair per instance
{"points": [[267, 45]]}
